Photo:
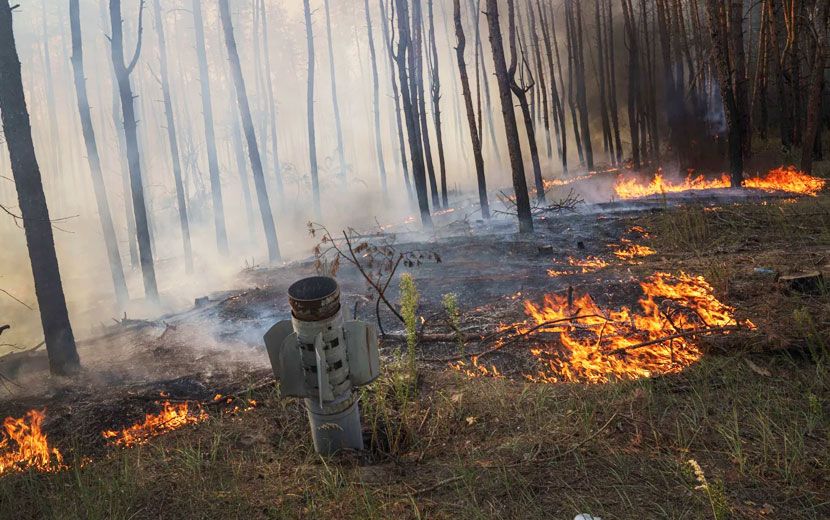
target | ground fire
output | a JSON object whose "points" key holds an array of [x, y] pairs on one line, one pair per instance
{"points": [[595, 345], [784, 179], [23, 445], [171, 417]]}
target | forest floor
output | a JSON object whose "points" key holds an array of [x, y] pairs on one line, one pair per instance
{"points": [[480, 440]]}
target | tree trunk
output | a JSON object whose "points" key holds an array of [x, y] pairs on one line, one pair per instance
{"points": [[605, 119], [107, 227], [558, 110], [719, 30], [272, 105], [436, 103], [572, 103], [125, 91], [540, 74], [337, 124], [184, 224], [210, 138], [312, 140], [612, 75], [510, 127], [634, 100], [816, 85], [396, 96], [471, 114], [239, 155], [405, 57], [581, 94], [483, 79], [375, 98], [520, 91], [250, 136], [417, 88], [37, 226]]}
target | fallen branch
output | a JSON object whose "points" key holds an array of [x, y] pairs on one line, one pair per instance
{"points": [[696, 332]]}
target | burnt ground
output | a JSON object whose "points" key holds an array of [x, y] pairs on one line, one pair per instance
{"points": [[215, 348]]}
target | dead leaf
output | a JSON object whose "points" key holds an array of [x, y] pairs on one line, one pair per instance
{"points": [[471, 420]]}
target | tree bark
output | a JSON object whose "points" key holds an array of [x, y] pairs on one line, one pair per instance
{"points": [[471, 114], [250, 135], [107, 227], [509, 116], [558, 110], [37, 226], [210, 137], [125, 91], [172, 139], [634, 100], [483, 79]]}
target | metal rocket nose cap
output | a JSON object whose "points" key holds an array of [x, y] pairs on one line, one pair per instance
{"points": [[315, 298]]}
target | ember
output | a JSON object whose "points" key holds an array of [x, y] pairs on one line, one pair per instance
{"points": [[780, 179], [23, 445], [172, 417], [627, 344]]}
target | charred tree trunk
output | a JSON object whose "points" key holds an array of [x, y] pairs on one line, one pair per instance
{"points": [[820, 61], [405, 58], [272, 105], [416, 73], [125, 91], [612, 84], [471, 114], [37, 226], [540, 74], [720, 48], [312, 139], [250, 136], [436, 103], [572, 103], [375, 98], [736, 41], [184, 224], [511, 129], [581, 94], [239, 155], [605, 119], [558, 110], [107, 227], [396, 96], [210, 137], [520, 89], [634, 100], [483, 80], [338, 128]]}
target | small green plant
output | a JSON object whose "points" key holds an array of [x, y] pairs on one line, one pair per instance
{"points": [[713, 490], [450, 302], [409, 310]]}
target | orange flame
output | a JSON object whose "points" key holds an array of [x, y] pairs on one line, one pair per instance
{"points": [[587, 265], [601, 345], [634, 251], [785, 179], [23, 445], [172, 417]]}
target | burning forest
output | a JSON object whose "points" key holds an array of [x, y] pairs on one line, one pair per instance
{"points": [[415, 258]]}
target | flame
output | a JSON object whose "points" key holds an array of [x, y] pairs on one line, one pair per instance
{"points": [[587, 265], [601, 345], [634, 251], [474, 369], [172, 417], [23, 445], [786, 179]]}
